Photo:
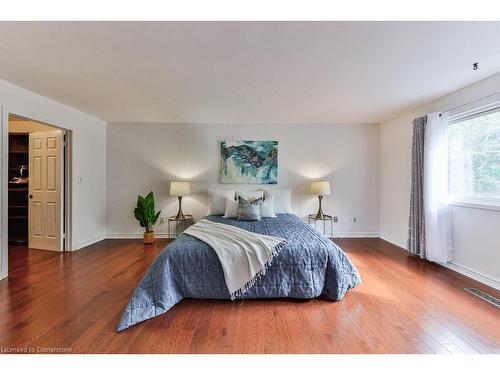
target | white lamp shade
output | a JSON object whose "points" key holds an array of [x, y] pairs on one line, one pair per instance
{"points": [[180, 188], [320, 188]]}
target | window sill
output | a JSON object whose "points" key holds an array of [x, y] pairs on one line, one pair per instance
{"points": [[479, 204]]}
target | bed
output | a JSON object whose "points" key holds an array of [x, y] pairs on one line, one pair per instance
{"points": [[309, 265]]}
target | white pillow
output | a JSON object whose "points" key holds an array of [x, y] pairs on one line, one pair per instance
{"points": [[232, 208], [267, 208], [250, 195], [282, 200], [217, 201]]}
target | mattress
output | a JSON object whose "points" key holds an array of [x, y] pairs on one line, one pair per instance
{"points": [[308, 266]]}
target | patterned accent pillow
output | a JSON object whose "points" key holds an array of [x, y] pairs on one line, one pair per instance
{"points": [[250, 195], [249, 211]]}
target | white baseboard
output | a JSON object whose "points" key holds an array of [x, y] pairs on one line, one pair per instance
{"points": [[83, 244], [126, 236], [466, 271], [164, 235], [355, 235], [473, 274], [394, 241]]}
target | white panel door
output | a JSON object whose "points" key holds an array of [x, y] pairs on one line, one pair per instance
{"points": [[45, 191]]}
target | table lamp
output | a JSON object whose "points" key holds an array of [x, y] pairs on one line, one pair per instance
{"points": [[320, 188], [180, 189]]}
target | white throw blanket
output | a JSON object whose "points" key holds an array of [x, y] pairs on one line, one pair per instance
{"points": [[244, 255]]}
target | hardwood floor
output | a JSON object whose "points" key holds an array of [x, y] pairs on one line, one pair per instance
{"points": [[20, 256], [72, 301]]}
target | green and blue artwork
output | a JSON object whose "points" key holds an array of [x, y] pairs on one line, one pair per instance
{"points": [[249, 162]]}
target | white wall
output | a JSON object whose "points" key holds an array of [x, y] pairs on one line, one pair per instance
{"points": [[147, 156], [89, 159], [475, 237]]}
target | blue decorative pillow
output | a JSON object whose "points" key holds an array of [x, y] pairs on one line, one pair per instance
{"points": [[249, 211]]}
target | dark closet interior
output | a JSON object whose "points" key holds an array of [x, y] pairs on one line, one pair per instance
{"points": [[18, 187]]}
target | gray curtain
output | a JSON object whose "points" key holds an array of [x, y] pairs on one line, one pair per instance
{"points": [[416, 229]]}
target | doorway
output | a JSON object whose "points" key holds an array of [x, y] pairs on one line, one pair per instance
{"points": [[38, 186]]}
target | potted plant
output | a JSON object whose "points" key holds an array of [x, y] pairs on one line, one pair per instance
{"points": [[145, 213]]}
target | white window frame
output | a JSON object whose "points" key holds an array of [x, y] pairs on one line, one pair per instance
{"points": [[460, 114]]}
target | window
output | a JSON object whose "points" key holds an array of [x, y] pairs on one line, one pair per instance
{"points": [[474, 157]]}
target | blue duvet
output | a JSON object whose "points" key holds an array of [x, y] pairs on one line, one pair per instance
{"points": [[308, 266]]}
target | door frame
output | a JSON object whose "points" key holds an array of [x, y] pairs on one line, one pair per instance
{"points": [[67, 183]]}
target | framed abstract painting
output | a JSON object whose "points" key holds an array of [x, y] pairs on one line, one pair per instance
{"points": [[249, 162]]}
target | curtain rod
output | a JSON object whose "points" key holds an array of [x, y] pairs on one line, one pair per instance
{"points": [[463, 105]]}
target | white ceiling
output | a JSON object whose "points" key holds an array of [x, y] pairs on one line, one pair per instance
{"points": [[300, 72]]}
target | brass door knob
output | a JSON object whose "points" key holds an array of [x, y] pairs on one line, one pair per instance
{"points": [[30, 196]]}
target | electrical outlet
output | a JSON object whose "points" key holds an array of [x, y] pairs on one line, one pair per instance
{"points": [[354, 219], [335, 219], [162, 220]]}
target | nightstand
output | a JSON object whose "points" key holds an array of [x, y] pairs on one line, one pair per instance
{"points": [[324, 219], [179, 224]]}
